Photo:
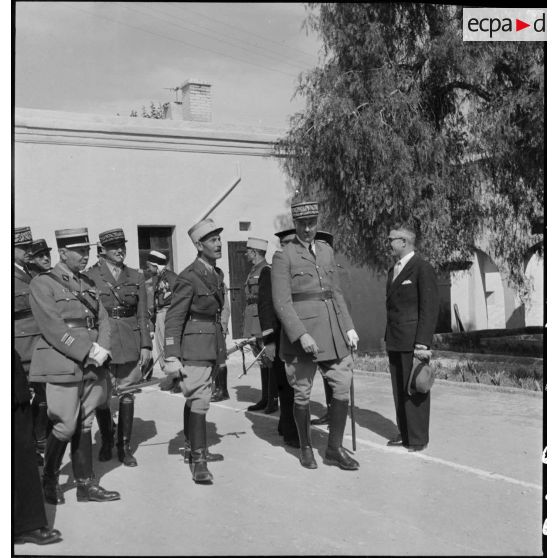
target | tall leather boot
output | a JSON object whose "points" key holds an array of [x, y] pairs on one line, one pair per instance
{"points": [[188, 447], [88, 489], [106, 429], [272, 395], [262, 403], [302, 419], [197, 459], [125, 422], [324, 419], [223, 373], [336, 454], [54, 453]]}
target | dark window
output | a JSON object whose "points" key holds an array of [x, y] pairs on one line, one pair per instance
{"points": [[155, 238], [244, 225]]}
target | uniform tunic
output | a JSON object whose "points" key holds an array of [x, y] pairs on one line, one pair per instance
{"points": [[308, 299], [194, 330], [162, 293], [251, 321], [26, 332], [68, 329]]}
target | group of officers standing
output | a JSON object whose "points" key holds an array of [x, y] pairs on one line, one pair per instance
{"points": [[84, 333]]}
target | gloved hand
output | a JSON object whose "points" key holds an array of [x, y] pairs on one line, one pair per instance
{"points": [[353, 339], [422, 352], [145, 356], [172, 366], [270, 351], [97, 355]]}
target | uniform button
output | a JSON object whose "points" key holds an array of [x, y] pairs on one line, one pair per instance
{"points": [[86, 311]]}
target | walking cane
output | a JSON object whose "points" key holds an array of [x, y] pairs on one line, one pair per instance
{"points": [[352, 393]]}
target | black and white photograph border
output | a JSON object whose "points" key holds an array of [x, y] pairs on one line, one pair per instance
{"points": [[153, 116]]}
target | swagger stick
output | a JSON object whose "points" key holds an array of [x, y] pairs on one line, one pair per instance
{"points": [[352, 394]]}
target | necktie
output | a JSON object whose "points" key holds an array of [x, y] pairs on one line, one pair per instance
{"points": [[396, 270], [311, 250]]}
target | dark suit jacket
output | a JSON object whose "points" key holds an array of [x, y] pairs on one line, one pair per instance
{"points": [[295, 270], [412, 306], [193, 328], [129, 334]]}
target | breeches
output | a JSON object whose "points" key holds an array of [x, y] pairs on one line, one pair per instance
{"points": [[123, 375], [67, 403], [338, 374], [196, 387]]}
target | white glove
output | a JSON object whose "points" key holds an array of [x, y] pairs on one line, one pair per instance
{"points": [[97, 355], [353, 338]]}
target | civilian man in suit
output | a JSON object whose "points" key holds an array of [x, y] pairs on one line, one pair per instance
{"points": [[412, 312], [70, 358], [317, 331], [195, 340], [122, 293]]}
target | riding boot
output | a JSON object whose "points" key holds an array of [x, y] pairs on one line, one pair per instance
{"points": [[54, 453], [302, 419], [197, 458], [40, 425], [88, 489], [272, 395], [222, 376], [187, 446], [336, 454], [125, 422], [262, 403], [106, 429]]}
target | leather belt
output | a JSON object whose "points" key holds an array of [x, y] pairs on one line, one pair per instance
{"points": [[122, 312], [195, 317], [318, 295], [20, 314], [89, 322]]}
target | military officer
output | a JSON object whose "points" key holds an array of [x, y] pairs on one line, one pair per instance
{"points": [[39, 257], [256, 249], [26, 332], [122, 293], [317, 331], [70, 358], [163, 283], [194, 339]]}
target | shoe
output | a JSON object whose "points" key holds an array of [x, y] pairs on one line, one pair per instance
{"points": [[272, 406], [88, 490], [417, 448], [260, 405], [44, 535], [209, 457], [340, 457], [324, 419], [306, 458], [198, 466], [397, 441], [198, 454]]}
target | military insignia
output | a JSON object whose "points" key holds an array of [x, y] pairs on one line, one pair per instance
{"points": [[67, 339], [65, 277]]}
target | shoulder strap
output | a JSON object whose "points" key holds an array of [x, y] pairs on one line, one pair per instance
{"points": [[77, 294]]}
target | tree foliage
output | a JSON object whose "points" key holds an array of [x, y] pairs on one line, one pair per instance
{"points": [[154, 111], [406, 122]]}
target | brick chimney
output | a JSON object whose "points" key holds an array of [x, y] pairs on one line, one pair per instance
{"points": [[195, 104]]}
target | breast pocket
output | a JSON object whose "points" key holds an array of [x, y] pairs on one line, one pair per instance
{"points": [[302, 279], [129, 293], [21, 300]]}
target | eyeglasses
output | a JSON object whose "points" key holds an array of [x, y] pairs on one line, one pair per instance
{"points": [[390, 239]]}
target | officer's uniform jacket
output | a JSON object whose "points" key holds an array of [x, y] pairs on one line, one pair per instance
{"points": [[308, 299], [162, 289], [251, 321], [194, 324], [60, 353], [125, 300], [412, 306], [26, 332]]}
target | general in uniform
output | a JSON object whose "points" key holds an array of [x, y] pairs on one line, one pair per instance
{"points": [[317, 331], [255, 253], [70, 358], [195, 341], [123, 294], [26, 332]]}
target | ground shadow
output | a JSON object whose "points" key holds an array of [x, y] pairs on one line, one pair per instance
{"points": [[176, 445], [247, 394]]}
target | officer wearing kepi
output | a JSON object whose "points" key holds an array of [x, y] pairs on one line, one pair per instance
{"points": [[123, 294], [317, 331], [255, 253], [70, 357], [26, 332], [194, 339]]}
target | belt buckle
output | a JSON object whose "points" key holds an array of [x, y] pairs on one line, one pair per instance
{"points": [[90, 321], [116, 312]]}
